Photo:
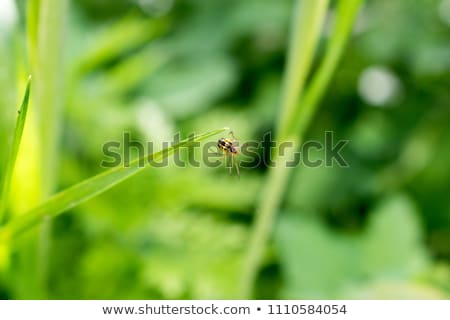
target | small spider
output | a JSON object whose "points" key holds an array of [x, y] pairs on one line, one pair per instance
{"points": [[230, 148]]}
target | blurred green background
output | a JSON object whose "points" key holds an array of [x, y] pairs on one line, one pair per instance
{"points": [[379, 229]]}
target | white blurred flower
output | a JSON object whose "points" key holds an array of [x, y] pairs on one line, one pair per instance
{"points": [[444, 11], [378, 86], [8, 14], [156, 7]]}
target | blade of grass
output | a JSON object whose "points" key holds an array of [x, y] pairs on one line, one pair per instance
{"points": [[89, 188], [307, 24], [296, 121], [346, 13], [32, 29], [48, 69], [20, 124], [49, 74], [308, 20]]}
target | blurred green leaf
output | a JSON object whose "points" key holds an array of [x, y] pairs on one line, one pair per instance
{"points": [[196, 256], [389, 248], [119, 39], [392, 244], [303, 245], [184, 88]]}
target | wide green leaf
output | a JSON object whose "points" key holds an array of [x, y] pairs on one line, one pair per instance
{"points": [[388, 251]]}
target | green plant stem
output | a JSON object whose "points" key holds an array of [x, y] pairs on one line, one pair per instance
{"points": [[49, 81], [307, 25], [271, 195], [296, 122], [46, 41], [346, 13], [14, 151], [89, 188], [32, 30]]}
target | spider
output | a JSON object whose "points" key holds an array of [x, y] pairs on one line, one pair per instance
{"points": [[229, 147]]}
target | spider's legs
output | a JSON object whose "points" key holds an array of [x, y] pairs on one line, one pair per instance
{"points": [[229, 159], [237, 169], [232, 135]]}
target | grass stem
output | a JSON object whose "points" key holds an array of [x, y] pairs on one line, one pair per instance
{"points": [[307, 20], [46, 37], [307, 25], [296, 116]]}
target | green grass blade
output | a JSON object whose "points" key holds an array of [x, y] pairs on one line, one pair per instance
{"points": [[308, 21], [20, 124], [306, 29], [346, 13], [295, 119], [32, 16], [87, 189], [47, 41]]}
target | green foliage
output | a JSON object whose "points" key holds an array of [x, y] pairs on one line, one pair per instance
{"points": [[377, 229], [389, 249]]}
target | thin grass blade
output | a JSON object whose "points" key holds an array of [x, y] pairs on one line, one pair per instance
{"points": [[20, 124], [346, 15], [90, 188]]}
